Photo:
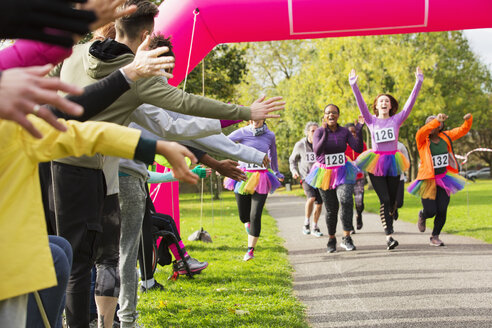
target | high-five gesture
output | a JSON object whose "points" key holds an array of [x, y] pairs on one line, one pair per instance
{"points": [[262, 108], [441, 117], [467, 117], [418, 72], [148, 63], [353, 76]]}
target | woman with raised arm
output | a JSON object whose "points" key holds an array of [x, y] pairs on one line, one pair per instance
{"points": [[384, 163], [251, 194], [437, 178], [335, 175]]}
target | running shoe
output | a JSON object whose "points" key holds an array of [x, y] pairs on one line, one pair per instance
{"points": [[306, 230], [396, 215], [194, 265], [359, 221], [155, 286], [249, 255], [435, 241], [421, 222], [332, 245], [348, 244], [317, 232], [391, 243], [352, 232], [246, 226]]}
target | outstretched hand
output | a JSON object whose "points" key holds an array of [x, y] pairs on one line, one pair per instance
{"points": [[23, 90], [418, 72], [441, 117], [360, 120], [229, 168], [467, 117], [175, 154], [147, 63], [353, 77], [262, 108], [106, 11]]}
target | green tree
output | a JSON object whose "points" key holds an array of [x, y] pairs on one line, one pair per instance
{"points": [[455, 82], [225, 67]]}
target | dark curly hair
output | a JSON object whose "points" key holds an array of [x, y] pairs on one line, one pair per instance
{"points": [[394, 104], [159, 40]]}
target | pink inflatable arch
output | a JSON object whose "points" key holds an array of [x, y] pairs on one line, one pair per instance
{"points": [[226, 21]]}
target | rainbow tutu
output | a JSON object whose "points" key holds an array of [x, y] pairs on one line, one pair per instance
{"points": [[426, 189], [383, 163], [326, 178], [260, 181]]}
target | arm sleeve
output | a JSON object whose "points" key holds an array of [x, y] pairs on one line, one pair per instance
{"points": [[97, 96], [221, 145], [157, 92], [294, 159], [423, 132], [360, 101], [402, 116], [273, 157], [197, 152], [156, 177], [459, 132], [357, 144], [159, 122], [145, 151], [25, 53], [319, 138], [87, 138]]}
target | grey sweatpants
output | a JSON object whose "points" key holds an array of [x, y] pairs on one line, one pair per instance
{"points": [[13, 312], [132, 203]]}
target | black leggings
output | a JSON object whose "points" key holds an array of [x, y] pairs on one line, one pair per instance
{"points": [[250, 208], [437, 207], [386, 188], [331, 198]]}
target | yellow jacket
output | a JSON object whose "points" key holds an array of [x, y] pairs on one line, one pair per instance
{"points": [[26, 264], [426, 169]]}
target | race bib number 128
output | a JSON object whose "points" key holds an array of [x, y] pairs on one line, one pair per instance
{"points": [[335, 159], [384, 135]]}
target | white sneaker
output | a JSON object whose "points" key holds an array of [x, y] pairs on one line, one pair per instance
{"points": [[249, 255], [306, 230], [317, 232]]}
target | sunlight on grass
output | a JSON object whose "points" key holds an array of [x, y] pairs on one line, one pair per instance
{"points": [[230, 292]]}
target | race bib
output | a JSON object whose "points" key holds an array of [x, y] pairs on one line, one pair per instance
{"points": [[384, 135], [251, 166], [335, 159], [440, 160], [310, 157]]}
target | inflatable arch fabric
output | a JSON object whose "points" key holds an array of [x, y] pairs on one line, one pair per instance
{"points": [[226, 21]]}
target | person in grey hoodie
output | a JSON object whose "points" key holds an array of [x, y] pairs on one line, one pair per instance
{"points": [[80, 185], [300, 161]]}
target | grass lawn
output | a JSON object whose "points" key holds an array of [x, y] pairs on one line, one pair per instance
{"points": [[469, 211], [230, 292]]}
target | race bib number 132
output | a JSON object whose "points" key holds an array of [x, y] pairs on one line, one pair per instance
{"points": [[440, 161], [335, 159], [384, 135]]}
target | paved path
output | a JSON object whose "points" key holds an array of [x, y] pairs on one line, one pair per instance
{"points": [[413, 286]]}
